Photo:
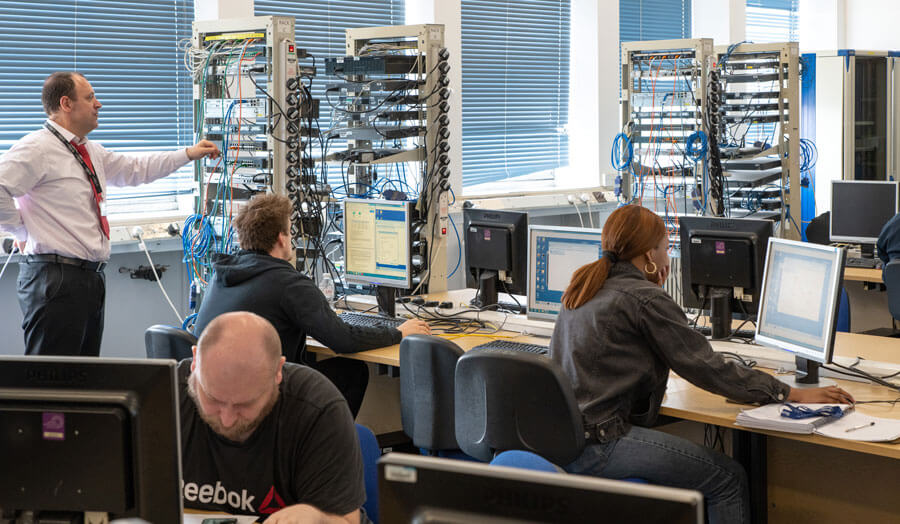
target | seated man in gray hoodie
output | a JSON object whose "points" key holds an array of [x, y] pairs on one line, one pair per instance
{"points": [[261, 279]]}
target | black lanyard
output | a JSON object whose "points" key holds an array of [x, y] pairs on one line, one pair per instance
{"points": [[92, 176]]}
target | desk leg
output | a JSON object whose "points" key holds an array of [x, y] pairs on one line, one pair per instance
{"points": [[750, 450], [384, 369]]}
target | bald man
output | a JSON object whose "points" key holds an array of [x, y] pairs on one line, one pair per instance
{"points": [[262, 437]]}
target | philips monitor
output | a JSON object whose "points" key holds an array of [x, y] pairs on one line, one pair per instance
{"points": [[798, 311], [860, 208], [496, 244], [418, 489], [554, 253], [82, 435], [722, 266]]}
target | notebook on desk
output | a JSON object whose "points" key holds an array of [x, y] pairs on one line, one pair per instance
{"points": [[851, 426]]}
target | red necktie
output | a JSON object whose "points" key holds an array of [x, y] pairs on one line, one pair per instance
{"points": [[104, 223]]}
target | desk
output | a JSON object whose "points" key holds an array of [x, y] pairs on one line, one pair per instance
{"points": [[862, 274], [807, 477]]}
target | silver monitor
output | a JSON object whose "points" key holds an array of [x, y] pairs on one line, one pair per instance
{"points": [[800, 295], [860, 208], [376, 242], [417, 489], [554, 253]]}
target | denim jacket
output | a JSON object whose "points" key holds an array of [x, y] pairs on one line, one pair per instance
{"points": [[619, 346]]}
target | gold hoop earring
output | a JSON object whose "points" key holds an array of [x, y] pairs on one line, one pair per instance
{"points": [[649, 272]]}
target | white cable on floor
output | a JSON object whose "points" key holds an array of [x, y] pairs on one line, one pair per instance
{"points": [[155, 274]]}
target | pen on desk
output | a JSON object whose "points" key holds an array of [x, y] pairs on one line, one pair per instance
{"points": [[854, 428]]}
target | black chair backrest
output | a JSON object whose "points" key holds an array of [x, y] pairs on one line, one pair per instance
{"points": [[818, 231], [427, 365], [891, 277], [509, 400], [168, 342]]}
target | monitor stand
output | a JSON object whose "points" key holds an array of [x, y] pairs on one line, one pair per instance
{"points": [[867, 250], [720, 312], [807, 375], [487, 289], [386, 297]]}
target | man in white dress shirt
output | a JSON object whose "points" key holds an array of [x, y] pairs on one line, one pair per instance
{"points": [[52, 199]]}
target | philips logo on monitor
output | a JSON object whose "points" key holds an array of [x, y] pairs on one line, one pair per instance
{"points": [[57, 375]]}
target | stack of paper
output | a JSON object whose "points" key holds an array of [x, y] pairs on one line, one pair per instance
{"points": [[852, 426], [769, 417]]}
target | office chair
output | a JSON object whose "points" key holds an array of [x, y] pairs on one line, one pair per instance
{"points": [[516, 458], [891, 277], [818, 231], [509, 400], [371, 452], [427, 365], [168, 342]]}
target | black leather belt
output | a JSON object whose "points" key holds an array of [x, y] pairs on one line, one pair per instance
{"points": [[59, 259]]}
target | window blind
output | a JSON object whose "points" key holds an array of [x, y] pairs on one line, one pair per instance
{"points": [[654, 20], [129, 53], [320, 29], [772, 21], [515, 88]]}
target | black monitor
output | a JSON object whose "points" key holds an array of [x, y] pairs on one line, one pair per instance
{"points": [[800, 298], [496, 253], [423, 490], [859, 209], [90, 435], [722, 262]]}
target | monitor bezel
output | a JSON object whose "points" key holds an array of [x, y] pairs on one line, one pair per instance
{"points": [[859, 239], [362, 279], [147, 495], [532, 274], [404, 469], [839, 258]]}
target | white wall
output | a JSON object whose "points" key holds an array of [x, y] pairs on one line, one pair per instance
{"points": [[872, 24], [722, 20], [219, 9], [822, 25]]}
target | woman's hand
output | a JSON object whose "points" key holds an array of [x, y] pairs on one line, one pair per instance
{"points": [[826, 395]]}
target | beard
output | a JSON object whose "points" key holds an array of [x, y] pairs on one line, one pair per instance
{"points": [[242, 429]]}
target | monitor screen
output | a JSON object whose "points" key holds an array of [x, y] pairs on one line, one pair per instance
{"points": [[89, 434], [377, 242], [800, 295], [860, 208], [554, 253], [425, 489]]}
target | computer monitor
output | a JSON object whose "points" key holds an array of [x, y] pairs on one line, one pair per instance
{"points": [[90, 435], [554, 253], [860, 208], [420, 489], [798, 311], [496, 246], [722, 266], [377, 248]]}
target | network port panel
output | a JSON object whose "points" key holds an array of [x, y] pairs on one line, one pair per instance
{"points": [[754, 119], [250, 100]]}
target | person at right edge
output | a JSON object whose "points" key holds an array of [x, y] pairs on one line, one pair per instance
{"points": [[618, 336], [260, 279]]}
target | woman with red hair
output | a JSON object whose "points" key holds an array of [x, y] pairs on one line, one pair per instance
{"points": [[618, 336]]}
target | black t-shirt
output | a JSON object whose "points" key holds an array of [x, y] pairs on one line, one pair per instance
{"points": [[305, 451]]}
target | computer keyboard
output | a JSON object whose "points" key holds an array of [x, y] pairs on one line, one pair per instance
{"points": [[513, 346], [741, 333], [868, 263], [366, 320]]}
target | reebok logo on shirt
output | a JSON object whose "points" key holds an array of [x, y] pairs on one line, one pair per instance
{"points": [[209, 494]]}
